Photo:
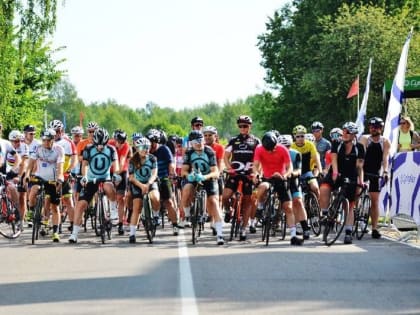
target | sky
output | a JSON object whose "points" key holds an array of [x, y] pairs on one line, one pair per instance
{"points": [[174, 53]]}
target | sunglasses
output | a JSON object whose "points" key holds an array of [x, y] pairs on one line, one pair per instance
{"points": [[197, 141], [91, 131], [143, 147], [243, 126], [31, 133], [198, 125], [403, 122], [299, 136]]}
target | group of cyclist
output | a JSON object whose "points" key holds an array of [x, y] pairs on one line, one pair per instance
{"points": [[151, 164]]}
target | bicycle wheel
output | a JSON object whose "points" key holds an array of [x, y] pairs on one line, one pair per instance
{"points": [[314, 211], [362, 219], [336, 220], [194, 222], [36, 220], [8, 218], [101, 219], [282, 224], [148, 223], [234, 225]]}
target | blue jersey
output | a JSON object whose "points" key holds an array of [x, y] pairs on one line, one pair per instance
{"points": [[296, 159], [143, 173], [164, 159], [200, 162], [99, 161]]}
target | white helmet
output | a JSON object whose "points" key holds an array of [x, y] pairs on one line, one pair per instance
{"points": [[56, 124], [210, 129], [92, 125], [309, 137], [77, 130], [15, 135]]}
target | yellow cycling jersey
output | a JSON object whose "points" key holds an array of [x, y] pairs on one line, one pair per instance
{"points": [[308, 152]]}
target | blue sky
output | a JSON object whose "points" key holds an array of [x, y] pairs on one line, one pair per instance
{"points": [[175, 53]]}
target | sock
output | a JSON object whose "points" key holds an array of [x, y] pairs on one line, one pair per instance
{"points": [[187, 211], [304, 225], [155, 213], [260, 205], [55, 228], [76, 229], [293, 231], [133, 229], [253, 222], [113, 205], [348, 229], [219, 228]]}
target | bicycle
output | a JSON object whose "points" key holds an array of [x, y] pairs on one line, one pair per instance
{"points": [[9, 214], [236, 205], [273, 216], [147, 218], [102, 223], [198, 212], [337, 214], [311, 204]]}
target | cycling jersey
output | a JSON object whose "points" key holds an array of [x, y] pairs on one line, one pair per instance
{"points": [[23, 151], [322, 146], [164, 159], [308, 152], [143, 173], [99, 161], [347, 162], [200, 162], [273, 161], [47, 160], [69, 151], [242, 149]]}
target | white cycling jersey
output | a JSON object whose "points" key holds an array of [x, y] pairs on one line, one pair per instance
{"points": [[47, 160]]}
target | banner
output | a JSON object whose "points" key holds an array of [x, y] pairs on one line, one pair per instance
{"points": [[354, 89], [392, 121], [405, 194]]}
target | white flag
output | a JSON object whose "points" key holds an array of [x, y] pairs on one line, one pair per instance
{"points": [[361, 115], [395, 101]]}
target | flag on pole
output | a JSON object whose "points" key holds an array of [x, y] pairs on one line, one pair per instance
{"points": [[361, 115], [392, 120], [354, 89]]}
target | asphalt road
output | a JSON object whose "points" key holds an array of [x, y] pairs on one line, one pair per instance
{"points": [[172, 276]]}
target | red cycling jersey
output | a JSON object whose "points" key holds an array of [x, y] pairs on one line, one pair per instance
{"points": [[272, 161]]}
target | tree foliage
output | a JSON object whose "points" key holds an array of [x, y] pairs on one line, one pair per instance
{"points": [[314, 49]]}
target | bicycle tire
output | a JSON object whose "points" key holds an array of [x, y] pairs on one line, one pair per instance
{"points": [[36, 220], [336, 220], [194, 222], [362, 218], [314, 212], [234, 222], [8, 219], [148, 223], [283, 224]]}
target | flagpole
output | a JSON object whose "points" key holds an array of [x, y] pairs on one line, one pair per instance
{"points": [[358, 93]]}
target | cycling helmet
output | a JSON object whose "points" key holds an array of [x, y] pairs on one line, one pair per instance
{"points": [[195, 135], [316, 125], [179, 140], [210, 129], [77, 130], [92, 125], [142, 142], [336, 134], [376, 121], [243, 119], [276, 133], [163, 137], [351, 127], [56, 124], [119, 135], [299, 129], [285, 140], [153, 135], [309, 137], [136, 135], [269, 140], [48, 134], [14, 135], [29, 128], [100, 136], [197, 120]]}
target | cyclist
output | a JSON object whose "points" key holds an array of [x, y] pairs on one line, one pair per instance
{"points": [[70, 162], [322, 144], [347, 162], [142, 176], [16, 160], [377, 156], [119, 141], [200, 165], [336, 135], [196, 124], [295, 187], [47, 163], [272, 160], [97, 161], [166, 170], [29, 138], [239, 154], [309, 157]]}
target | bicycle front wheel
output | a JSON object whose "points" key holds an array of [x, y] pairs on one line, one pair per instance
{"points": [[8, 218], [313, 209], [362, 219], [336, 220]]}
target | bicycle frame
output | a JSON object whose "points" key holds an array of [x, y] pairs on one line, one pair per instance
{"points": [[198, 211], [9, 215]]}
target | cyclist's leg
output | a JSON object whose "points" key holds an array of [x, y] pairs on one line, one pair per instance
{"points": [[186, 199], [85, 197]]}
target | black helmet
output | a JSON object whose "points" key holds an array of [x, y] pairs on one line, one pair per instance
{"points": [[269, 140], [243, 119], [197, 120], [120, 135], [195, 134], [376, 121], [153, 135], [29, 128], [163, 137], [351, 127], [100, 136]]}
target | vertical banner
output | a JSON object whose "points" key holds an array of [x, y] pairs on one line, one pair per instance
{"points": [[361, 115]]}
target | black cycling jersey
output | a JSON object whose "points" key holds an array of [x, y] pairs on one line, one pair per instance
{"points": [[242, 148]]}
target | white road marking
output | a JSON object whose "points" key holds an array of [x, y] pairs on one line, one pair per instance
{"points": [[188, 301]]}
